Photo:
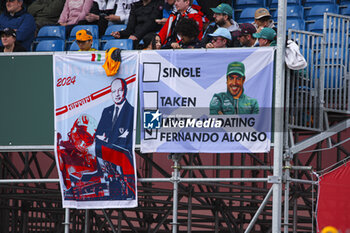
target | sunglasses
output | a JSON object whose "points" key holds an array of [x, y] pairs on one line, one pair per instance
{"points": [[216, 39], [81, 41]]}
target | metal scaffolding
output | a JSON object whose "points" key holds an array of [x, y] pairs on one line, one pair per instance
{"points": [[247, 192]]}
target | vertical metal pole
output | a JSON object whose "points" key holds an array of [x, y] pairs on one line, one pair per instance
{"points": [[66, 221], [86, 225], [286, 198], [279, 117], [190, 188], [175, 180]]}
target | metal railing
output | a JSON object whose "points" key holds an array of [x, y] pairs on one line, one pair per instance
{"points": [[323, 86]]}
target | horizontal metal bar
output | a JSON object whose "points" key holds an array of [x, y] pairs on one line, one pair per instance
{"points": [[186, 180], [27, 148], [302, 181], [35, 148], [241, 167], [196, 180], [189, 180], [6, 181]]}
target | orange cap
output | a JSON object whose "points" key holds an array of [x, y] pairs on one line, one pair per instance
{"points": [[83, 35]]}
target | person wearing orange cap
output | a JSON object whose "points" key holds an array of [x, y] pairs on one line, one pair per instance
{"points": [[262, 19], [84, 40]]}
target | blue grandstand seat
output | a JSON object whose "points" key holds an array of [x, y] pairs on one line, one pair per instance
{"points": [[318, 2], [74, 46], [297, 24], [112, 28], [92, 28], [317, 11], [293, 12], [274, 3], [51, 33], [345, 10], [241, 4], [317, 26], [247, 15], [119, 43], [50, 46]]}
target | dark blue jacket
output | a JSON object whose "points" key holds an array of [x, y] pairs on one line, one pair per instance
{"points": [[117, 135], [23, 23]]}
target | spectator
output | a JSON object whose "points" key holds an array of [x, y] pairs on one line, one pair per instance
{"points": [[245, 35], [84, 40], [18, 19], [97, 15], [221, 38], [150, 42], [184, 8], [188, 31], [262, 19], [223, 18], [8, 40], [122, 13], [168, 8], [73, 12], [46, 12], [266, 37], [141, 20]]}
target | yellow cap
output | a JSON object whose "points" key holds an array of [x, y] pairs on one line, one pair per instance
{"points": [[329, 229], [261, 12], [83, 35]]}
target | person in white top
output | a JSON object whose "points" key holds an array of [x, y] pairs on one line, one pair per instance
{"points": [[122, 13]]}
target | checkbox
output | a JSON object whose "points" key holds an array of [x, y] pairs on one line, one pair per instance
{"points": [[150, 100], [151, 72]]}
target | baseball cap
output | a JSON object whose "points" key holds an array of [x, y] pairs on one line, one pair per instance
{"points": [[266, 33], [83, 35], [236, 67], [247, 28], [8, 32], [223, 32], [223, 8], [261, 12]]}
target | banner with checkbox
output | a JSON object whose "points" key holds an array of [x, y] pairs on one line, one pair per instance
{"points": [[206, 100]]}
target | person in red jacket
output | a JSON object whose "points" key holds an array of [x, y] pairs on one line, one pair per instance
{"points": [[183, 9]]}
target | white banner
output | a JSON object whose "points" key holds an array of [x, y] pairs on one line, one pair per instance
{"points": [[95, 120], [206, 100]]}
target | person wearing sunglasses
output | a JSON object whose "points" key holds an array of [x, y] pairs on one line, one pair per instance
{"points": [[84, 40], [221, 38], [17, 18]]}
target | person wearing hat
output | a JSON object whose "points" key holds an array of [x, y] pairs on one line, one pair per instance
{"points": [[8, 40], [221, 38], [84, 40], [222, 18], [266, 37], [234, 101], [17, 18], [262, 19], [245, 35]]}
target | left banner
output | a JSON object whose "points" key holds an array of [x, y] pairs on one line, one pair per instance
{"points": [[95, 120]]}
